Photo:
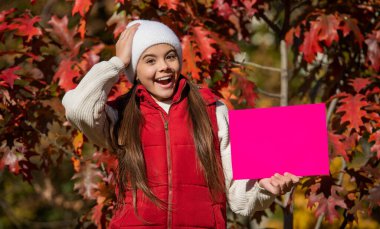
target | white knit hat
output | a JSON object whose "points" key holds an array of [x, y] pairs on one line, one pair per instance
{"points": [[150, 33]]}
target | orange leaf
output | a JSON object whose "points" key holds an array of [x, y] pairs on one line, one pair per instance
{"points": [[82, 28], [171, 4], [189, 59], [78, 142], [204, 42], [338, 147], [76, 164], [81, 6]]}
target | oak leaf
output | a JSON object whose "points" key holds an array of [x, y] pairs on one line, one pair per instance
{"points": [[60, 29], [66, 73], [204, 42], [352, 107], [351, 25], [81, 7], [86, 180], [310, 46], [24, 26], [360, 83], [190, 59], [373, 51], [376, 146], [338, 147], [9, 76], [328, 28], [170, 4]]}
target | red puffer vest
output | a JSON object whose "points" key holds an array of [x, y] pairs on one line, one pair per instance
{"points": [[172, 170]]}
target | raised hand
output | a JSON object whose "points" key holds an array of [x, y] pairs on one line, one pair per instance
{"points": [[124, 44], [279, 184]]}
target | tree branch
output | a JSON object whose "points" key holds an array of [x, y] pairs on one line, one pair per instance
{"points": [[270, 23], [269, 94], [257, 66], [284, 74]]}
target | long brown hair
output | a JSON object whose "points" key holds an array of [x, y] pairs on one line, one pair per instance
{"points": [[126, 138]]}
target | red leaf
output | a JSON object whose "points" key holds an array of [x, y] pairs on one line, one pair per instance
{"points": [[87, 180], [328, 26], [310, 45], [189, 59], [351, 25], [25, 26], [171, 4], [352, 107], [81, 6], [248, 4], [9, 76], [3, 15], [373, 51], [223, 8], [339, 147], [109, 160], [65, 74], [247, 88], [226, 46], [376, 146], [60, 29], [360, 83], [327, 206], [289, 37], [82, 28], [10, 158], [119, 89], [121, 1], [97, 214], [91, 57], [204, 42]]}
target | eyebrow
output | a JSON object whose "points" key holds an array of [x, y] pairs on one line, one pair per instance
{"points": [[153, 55]]}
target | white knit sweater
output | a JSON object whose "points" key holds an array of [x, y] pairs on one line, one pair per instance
{"points": [[87, 110]]}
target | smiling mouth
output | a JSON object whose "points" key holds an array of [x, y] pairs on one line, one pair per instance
{"points": [[164, 80]]}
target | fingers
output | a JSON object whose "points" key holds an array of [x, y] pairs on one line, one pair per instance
{"points": [[124, 44], [283, 183]]}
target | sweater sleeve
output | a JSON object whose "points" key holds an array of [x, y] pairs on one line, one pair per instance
{"points": [[244, 196], [86, 106]]}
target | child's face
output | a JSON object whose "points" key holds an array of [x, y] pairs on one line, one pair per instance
{"points": [[158, 70]]}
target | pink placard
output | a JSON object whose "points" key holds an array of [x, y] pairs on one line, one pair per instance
{"points": [[266, 141]]}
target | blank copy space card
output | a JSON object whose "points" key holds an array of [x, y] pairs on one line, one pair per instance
{"points": [[266, 141]]}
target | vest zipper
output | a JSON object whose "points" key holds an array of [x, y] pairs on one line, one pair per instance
{"points": [[168, 158]]}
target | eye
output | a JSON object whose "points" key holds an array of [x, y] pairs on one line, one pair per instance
{"points": [[150, 61], [171, 56]]}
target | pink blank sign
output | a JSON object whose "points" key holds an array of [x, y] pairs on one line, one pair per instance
{"points": [[291, 139]]}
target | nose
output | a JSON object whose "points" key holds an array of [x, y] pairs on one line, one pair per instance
{"points": [[164, 66]]}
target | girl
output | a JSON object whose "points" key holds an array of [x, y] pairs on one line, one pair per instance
{"points": [[170, 137]]}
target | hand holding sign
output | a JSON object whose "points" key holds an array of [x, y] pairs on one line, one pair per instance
{"points": [[279, 184]]}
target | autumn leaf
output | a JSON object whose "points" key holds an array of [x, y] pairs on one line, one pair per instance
{"points": [[121, 88], [223, 8], [374, 195], [82, 28], [107, 159], [360, 83], [351, 25], [328, 28], [248, 4], [289, 37], [78, 143], [327, 207], [373, 51], [66, 73], [91, 57], [338, 146], [60, 29], [120, 20], [310, 46], [375, 137], [9, 76], [189, 59], [352, 107], [171, 4], [247, 88], [10, 158], [24, 26], [204, 42], [81, 7], [86, 181]]}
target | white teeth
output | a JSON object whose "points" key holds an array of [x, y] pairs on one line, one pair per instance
{"points": [[164, 78]]}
